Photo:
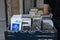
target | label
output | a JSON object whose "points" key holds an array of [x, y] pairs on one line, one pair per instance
{"points": [[15, 27]]}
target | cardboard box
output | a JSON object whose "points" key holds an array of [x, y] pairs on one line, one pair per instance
{"points": [[40, 12], [16, 22], [32, 12], [26, 23]]}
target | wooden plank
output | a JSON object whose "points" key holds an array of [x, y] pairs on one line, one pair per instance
{"points": [[21, 6], [15, 6], [9, 14]]}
